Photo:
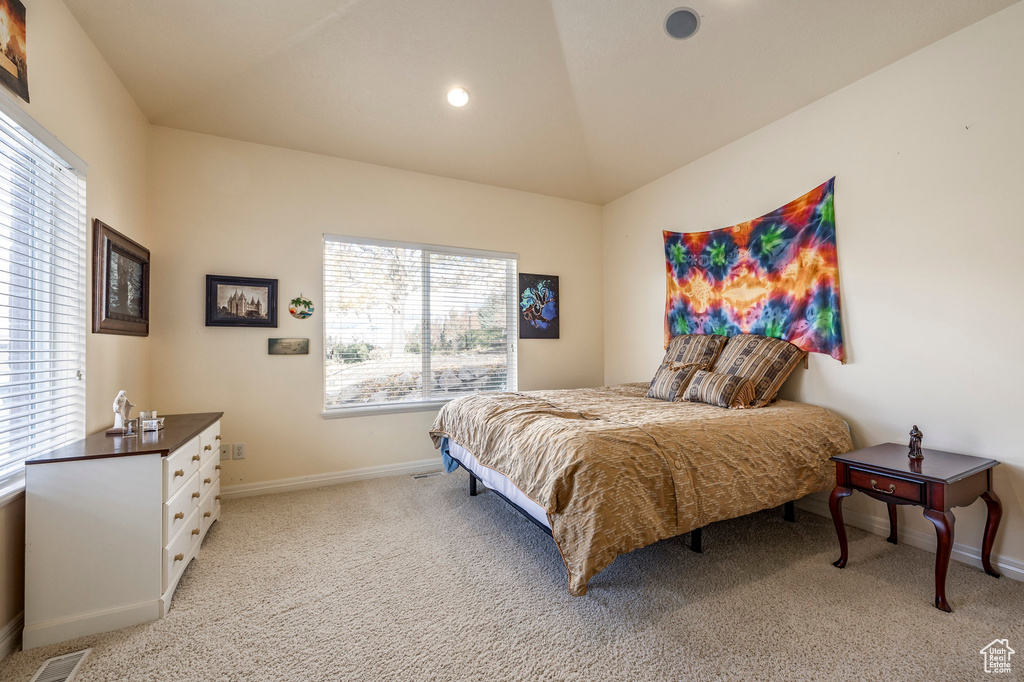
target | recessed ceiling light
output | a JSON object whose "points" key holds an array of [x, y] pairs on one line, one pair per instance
{"points": [[458, 97], [681, 23]]}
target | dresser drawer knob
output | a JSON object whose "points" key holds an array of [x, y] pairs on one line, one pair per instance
{"points": [[216, 497], [217, 437], [217, 468], [179, 557], [207, 480], [207, 515], [890, 491], [179, 515], [195, 531], [195, 494], [196, 458], [179, 472], [208, 447]]}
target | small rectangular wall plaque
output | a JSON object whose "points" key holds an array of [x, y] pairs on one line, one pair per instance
{"points": [[287, 346]]}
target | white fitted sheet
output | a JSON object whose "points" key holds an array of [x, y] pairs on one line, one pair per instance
{"points": [[496, 481]]}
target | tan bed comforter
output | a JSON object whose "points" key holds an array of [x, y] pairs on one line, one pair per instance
{"points": [[616, 471]]}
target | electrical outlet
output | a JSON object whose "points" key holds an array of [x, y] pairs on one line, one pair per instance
{"points": [[225, 451], [238, 451]]}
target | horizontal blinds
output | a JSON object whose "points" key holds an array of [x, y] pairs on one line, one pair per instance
{"points": [[408, 323], [42, 298]]}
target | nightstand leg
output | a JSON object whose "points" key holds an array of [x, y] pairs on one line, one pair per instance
{"points": [[995, 513], [835, 505], [892, 525], [944, 533]]}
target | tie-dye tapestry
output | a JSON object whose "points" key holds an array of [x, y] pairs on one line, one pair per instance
{"points": [[776, 275]]}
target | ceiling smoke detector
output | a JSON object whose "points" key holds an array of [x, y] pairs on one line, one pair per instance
{"points": [[681, 23]]}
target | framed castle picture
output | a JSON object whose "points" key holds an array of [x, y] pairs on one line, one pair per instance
{"points": [[240, 301], [13, 58]]}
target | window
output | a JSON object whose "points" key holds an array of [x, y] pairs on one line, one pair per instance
{"points": [[409, 325], [42, 293]]}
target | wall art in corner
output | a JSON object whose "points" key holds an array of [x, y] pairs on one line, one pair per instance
{"points": [[13, 57], [287, 346], [120, 283], [240, 301], [539, 307]]}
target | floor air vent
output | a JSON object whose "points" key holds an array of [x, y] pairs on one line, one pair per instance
{"points": [[61, 668], [428, 475]]}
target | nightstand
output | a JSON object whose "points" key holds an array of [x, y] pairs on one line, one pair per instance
{"points": [[939, 482]]}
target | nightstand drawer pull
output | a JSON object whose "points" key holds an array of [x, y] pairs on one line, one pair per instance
{"points": [[207, 480], [195, 531], [208, 447], [207, 515], [179, 557], [179, 515], [196, 458], [217, 437], [195, 494], [179, 472], [890, 491]]}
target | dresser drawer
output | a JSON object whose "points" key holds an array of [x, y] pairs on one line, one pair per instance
{"points": [[180, 506], [181, 549], [889, 486], [209, 508], [179, 467], [209, 473], [209, 442]]}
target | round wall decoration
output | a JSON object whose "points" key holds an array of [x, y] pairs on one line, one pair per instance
{"points": [[300, 307]]}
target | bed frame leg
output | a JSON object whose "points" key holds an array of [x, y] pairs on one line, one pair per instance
{"points": [[789, 512], [696, 540], [472, 485]]}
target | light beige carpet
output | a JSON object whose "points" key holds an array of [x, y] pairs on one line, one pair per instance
{"points": [[403, 579]]}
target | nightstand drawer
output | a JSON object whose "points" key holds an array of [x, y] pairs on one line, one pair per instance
{"points": [[909, 491]]}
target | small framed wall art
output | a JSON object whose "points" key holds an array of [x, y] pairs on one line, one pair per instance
{"points": [[120, 283], [539, 307], [240, 301], [287, 346]]}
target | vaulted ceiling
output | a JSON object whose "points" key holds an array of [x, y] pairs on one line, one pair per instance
{"points": [[583, 99]]}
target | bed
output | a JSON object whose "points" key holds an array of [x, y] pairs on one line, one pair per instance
{"points": [[608, 470]]}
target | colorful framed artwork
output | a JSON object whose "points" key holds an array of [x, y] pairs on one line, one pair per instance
{"points": [[120, 283], [240, 301], [13, 56], [539, 306]]}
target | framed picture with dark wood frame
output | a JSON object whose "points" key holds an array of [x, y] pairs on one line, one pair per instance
{"points": [[120, 283], [240, 301]]}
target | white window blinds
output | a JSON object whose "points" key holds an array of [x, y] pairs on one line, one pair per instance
{"points": [[409, 324], [42, 294]]}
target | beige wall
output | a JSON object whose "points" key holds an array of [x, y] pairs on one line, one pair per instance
{"points": [[78, 98], [928, 157], [223, 207]]}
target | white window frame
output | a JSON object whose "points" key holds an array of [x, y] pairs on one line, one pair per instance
{"points": [[12, 485], [512, 318]]}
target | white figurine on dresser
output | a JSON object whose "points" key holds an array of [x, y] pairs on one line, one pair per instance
{"points": [[111, 523]]}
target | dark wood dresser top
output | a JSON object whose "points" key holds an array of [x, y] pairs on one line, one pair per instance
{"points": [[938, 466], [178, 430]]}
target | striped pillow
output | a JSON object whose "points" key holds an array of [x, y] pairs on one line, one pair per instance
{"points": [[670, 380], [722, 390], [767, 362], [701, 349]]}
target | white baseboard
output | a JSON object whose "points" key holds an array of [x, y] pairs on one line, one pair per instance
{"points": [[968, 554], [10, 635], [284, 485]]}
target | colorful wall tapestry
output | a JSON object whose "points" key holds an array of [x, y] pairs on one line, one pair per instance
{"points": [[776, 275]]}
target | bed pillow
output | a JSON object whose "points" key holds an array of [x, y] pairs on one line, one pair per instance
{"points": [[721, 390], [767, 362], [701, 349], [670, 380]]}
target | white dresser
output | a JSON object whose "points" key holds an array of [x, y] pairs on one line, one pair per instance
{"points": [[111, 523]]}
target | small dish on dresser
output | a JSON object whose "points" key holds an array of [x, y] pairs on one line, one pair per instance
{"points": [[153, 424]]}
